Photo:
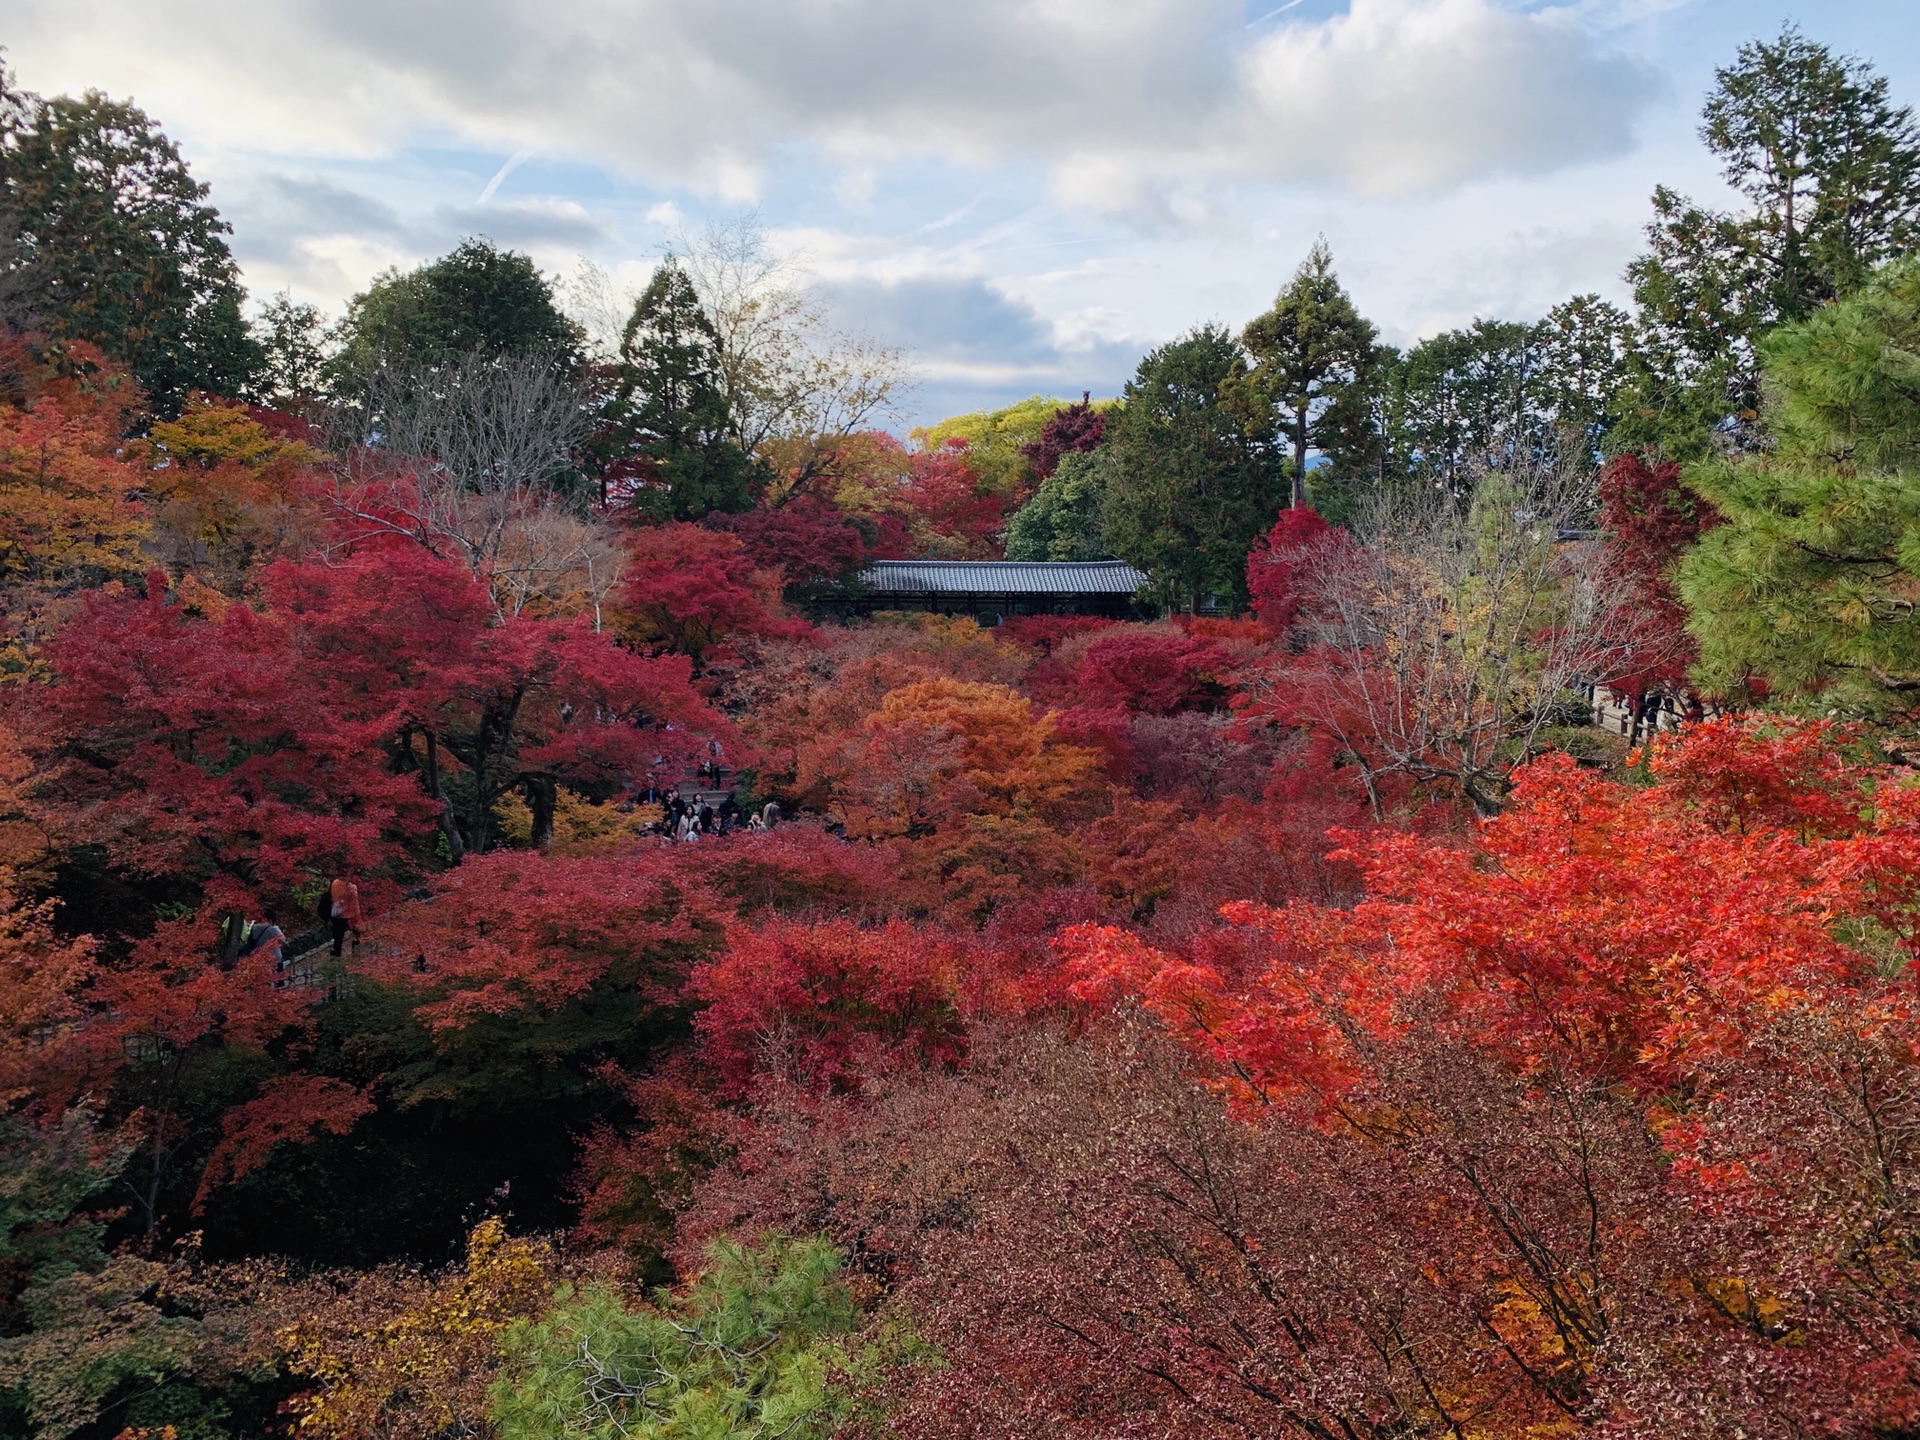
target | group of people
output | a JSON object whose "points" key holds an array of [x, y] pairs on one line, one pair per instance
{"points": [[337, 907], [687, 818], [683, 819]]}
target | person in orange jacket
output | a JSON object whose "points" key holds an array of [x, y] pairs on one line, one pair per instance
{"points": [[344, 914]]}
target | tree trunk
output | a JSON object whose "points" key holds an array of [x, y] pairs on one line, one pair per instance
{"points": [[539, 792], [1300, 459], [1372, 783], [1485, 806], [153, 1183], [456, 843]]}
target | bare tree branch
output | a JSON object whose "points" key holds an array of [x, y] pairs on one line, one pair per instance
{"points": [[470, 461], [1449, 635]]}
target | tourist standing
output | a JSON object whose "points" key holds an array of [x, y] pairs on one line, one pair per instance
{"points": [[344, 914]]}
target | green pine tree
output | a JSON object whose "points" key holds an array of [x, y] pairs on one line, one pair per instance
{"points": [[1314, 360], [113, 243], [669, 419], [1193, 468], [756, 1346], [1810, 580]]}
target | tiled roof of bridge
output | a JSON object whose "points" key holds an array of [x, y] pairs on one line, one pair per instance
{"points": [[1002, 577]]}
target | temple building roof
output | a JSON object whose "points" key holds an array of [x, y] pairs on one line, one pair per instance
{"points": [[1001, 577]]}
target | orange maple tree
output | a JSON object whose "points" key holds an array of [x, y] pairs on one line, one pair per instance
{"points": [[71, 510], [937, 750], [1725, 952]]}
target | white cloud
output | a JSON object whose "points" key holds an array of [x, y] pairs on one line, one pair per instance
{"points": [[1125, 97], [1036, 190], [544, 221], [1402, 95]]}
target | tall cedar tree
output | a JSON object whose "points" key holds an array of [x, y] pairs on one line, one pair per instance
{"points": [[1497, 392], [118, 246], [1831, 168], [1464, 402], [1193, 468], [1582, 366], [1313, 359], [1809, 581], [669, 432]]}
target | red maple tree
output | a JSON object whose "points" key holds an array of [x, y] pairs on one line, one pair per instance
{"points": [[824, 1002], [1280, 567], [687, 589], [212, 750], [1650, 520]]}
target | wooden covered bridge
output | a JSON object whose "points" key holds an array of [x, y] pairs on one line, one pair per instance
{"points": [[1001, 587]]}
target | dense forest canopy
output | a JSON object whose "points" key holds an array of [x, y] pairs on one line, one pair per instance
{"points": [[485, 952]]}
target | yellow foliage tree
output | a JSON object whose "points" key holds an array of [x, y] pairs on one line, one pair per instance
{"points": [[70, 516], [396, 1355], [226, 493], [994, 438], [580, 826]]}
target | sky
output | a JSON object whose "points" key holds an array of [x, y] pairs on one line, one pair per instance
{"points": [[1026, 194]]}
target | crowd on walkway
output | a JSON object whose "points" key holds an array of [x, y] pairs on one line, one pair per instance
{"points": [[685, 817]]}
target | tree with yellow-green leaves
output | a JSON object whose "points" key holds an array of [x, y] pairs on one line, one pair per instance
{"points": [[994, 440]]}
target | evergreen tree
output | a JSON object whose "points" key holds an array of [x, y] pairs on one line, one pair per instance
{"points": [[1062, 521], [1831, 169], [1192, 469], [1582, 349], [1808, 581], [1314, 360], [761, 1343], [113, 243], [478, 300], [669, 424], [1498, 393], [292, 338], [1465, 401]]}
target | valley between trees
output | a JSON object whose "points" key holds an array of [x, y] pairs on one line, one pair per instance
{"points": [[484, 952]]}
